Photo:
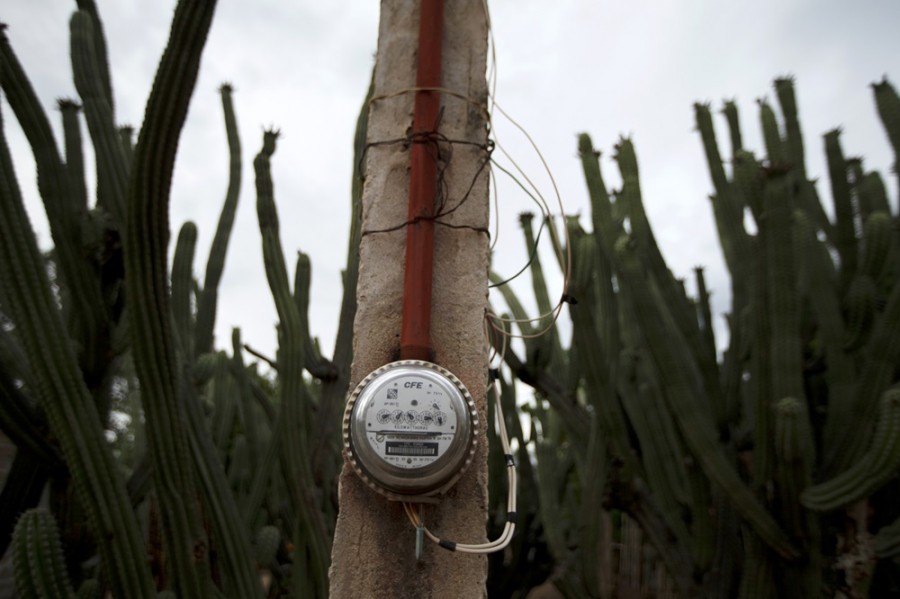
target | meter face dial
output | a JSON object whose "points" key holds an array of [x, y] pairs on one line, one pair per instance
{"points": [[409, 428], [409, 420]]}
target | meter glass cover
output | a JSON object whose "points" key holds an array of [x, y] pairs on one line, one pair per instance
{"points": [[410, 428]]}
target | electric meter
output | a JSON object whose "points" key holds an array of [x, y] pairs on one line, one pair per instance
{"points": [[410, 429]]}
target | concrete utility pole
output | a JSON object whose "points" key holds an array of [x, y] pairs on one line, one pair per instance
{"points": [[373, 553]]}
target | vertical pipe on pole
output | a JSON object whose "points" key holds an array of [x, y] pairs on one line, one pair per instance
{"points": [[415, 332]]}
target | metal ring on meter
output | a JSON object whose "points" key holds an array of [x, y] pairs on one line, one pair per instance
{"points": [[410, 429]]}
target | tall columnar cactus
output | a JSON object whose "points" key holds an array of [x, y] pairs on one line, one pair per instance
{"points": [[787, 425], [37, 558], [130, 334], [63, 395]]}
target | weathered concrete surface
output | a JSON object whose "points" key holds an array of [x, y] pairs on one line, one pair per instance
{"points": [[373, 554]]}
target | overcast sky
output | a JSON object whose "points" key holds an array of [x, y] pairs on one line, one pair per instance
{"points": [[608, 68]]}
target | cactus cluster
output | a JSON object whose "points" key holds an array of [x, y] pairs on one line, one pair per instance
{"points": [[760, 473], [649, 464], [217, 452]]}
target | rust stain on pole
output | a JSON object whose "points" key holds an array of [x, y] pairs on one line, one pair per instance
{"points": [[415, 333]]}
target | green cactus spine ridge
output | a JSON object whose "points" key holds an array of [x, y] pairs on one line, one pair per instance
{"points": [[38, 563], [317, 365], [87, 65], [70, 110], [89, 321], [860, 306], [70, 409], [183, 287], [230, 539], [775, 149], [295, 399], [876, 244], [845, 227], [875, 467], [875, 377], [784, 90], [208, 300], [268, 539], [146, 245], [691, 415], [888, 104], [597, 367], [730, 110], [100, 49]]}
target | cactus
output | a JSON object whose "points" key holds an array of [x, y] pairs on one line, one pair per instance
{"points": [[37, 558], [295, 399], [67, 360], [877, 466], [765, 439]]}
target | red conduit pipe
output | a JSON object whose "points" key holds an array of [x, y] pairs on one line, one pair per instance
{"points": [[415, 331]]}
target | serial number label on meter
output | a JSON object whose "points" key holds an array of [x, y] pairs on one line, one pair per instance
{"points": [[403, 448], [409, 422]]}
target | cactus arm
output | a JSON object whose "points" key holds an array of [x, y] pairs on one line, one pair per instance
{"points": [[888, 104], [522, 320], [596, 367], [859, 306], [786, 352], [545, 351], [876, 244], [317, 365], [224, 405], [343, 344], [206, 305], [326, 441], [100, 51], [230, 536], [539, 285], [126, 138], [24, 486], [792, 445], [87, 68], [775, 149], [662, 462], [794, 457], [295, 400], [703, 119], [182, 287], [873, 469], [730, 110], [690, 413], [605, 231], [747, 182], [22, 422], [246, 409], [670, 290], [727, 205], [882, 356], [845, 230], [38, 563], [76, 186], [816, 262], [146, 244], [793, 142], [60, 387], [87, 302]]}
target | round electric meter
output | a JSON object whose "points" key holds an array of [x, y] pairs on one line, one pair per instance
{"points": [[410, 429]]}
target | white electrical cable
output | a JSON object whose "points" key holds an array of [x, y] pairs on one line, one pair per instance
{"points": [[506, 536]]}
